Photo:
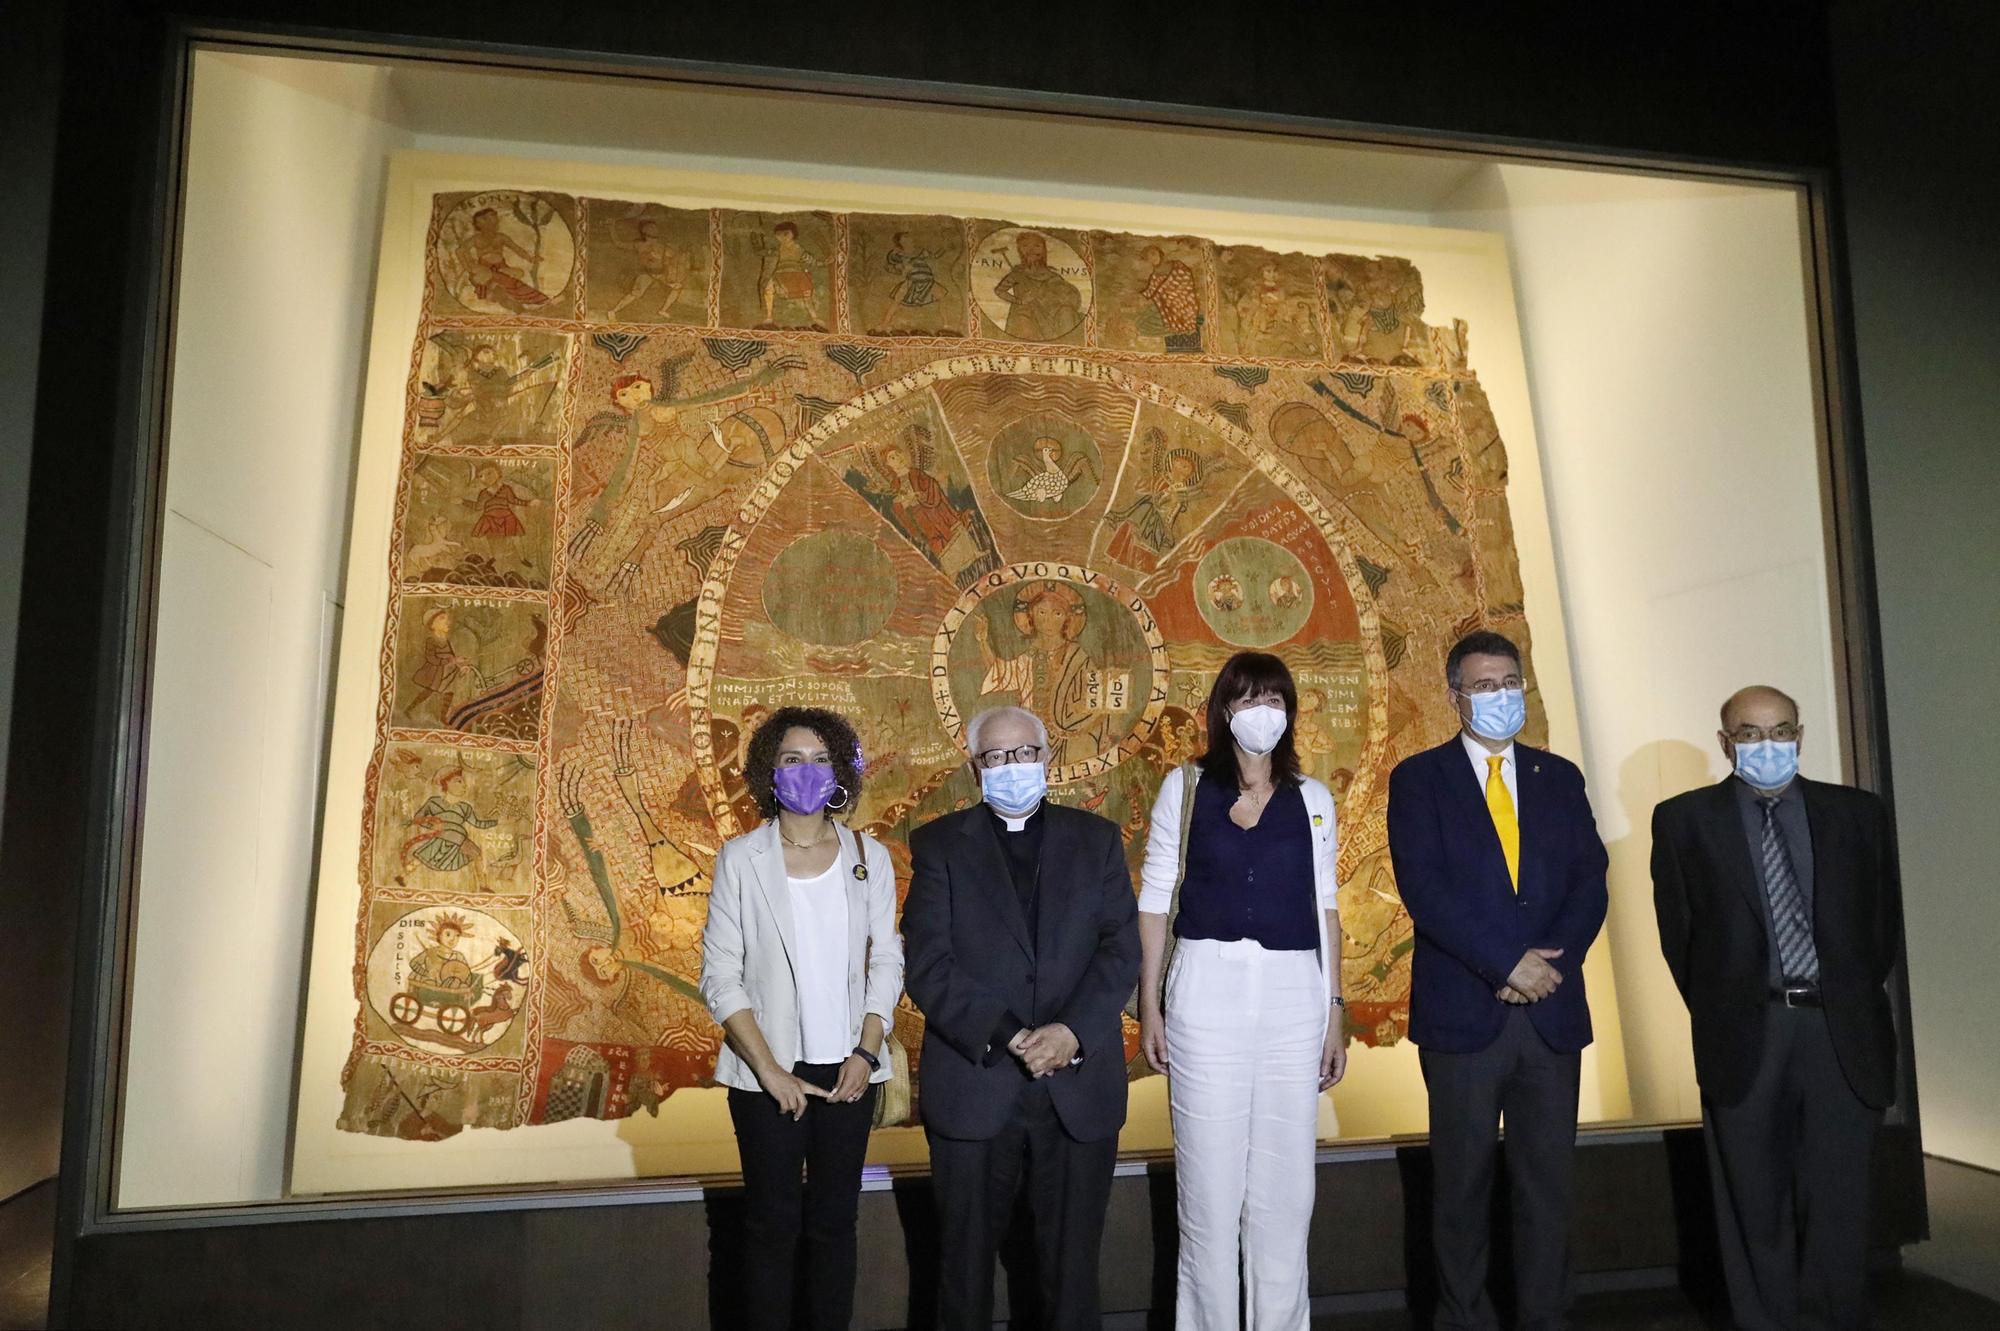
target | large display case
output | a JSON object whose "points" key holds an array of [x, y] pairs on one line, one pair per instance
{"points": [[1651, 340]]}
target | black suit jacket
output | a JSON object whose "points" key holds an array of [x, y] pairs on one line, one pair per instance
{"points": [[1472, 925], [969, 960], [1709, 900]]}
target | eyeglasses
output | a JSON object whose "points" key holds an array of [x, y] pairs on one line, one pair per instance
{"points": [[1027, 753], [1784, 734], [1491, 685]]}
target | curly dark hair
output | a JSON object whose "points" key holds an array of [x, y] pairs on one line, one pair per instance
{"points": [[843, 748]]}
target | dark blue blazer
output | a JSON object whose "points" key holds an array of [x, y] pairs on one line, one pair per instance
{"points": [[1472, 928]]}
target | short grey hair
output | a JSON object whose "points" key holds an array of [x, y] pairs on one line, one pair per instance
{"points": [[977, 725]]}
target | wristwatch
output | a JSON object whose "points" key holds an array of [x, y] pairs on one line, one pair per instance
{"points": [[874, 1063]]}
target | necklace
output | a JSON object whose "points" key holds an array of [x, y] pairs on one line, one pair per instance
{"points": [[824, 828]]}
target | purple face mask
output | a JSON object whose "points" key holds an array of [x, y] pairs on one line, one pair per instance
{"points": [[804, 787]]}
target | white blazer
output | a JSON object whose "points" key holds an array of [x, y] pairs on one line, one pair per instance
{"points": [[748, 945], [1163, 858]]}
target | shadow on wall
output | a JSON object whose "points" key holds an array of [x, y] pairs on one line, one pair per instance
{"points": [[1651, 1011]]}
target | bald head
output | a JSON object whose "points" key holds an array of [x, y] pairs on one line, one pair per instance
{"points": [[1759, 705]]}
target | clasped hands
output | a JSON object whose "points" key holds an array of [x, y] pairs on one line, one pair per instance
{"points": [[1532, 978], [1045, 1050], [791, 1092]]}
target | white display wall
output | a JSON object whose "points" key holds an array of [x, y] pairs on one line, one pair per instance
{"points": [[1667, 377]]}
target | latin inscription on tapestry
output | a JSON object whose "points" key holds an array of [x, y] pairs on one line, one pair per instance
{"points": [[666, 469]]}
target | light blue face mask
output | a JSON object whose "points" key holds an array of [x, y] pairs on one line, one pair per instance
{"points": [[1498, 715], [1769, 764], [1014, 789]]}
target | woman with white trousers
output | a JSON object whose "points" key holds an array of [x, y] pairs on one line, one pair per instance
{"points": [[1238, 890]]}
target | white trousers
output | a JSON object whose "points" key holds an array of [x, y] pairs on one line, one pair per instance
{"points": [[1244, 1030]]}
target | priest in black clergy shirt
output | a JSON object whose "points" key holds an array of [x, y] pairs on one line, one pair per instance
{"points": [[1022, 946]]}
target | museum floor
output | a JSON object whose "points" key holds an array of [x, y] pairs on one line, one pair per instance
{"points": [[1934, 1291], [1904, 1301]]}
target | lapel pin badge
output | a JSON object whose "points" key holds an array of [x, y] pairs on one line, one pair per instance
{"points": [[861, 872], [1319, 820]]}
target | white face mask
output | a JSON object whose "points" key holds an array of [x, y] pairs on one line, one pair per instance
{"points": [[1258, 729]]}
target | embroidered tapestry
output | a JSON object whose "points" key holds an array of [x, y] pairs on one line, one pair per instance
{"points": [[665, 470]]}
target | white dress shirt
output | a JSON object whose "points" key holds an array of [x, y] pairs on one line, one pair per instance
{"points": [[1479, 753], [819, 915]]}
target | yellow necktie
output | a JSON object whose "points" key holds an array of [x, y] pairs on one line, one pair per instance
{"points": [[1501, 806]]}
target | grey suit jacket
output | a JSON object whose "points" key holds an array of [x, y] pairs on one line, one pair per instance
{"points": [[748, 944]]}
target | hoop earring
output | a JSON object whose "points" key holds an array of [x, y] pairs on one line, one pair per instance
{"points": [[845, 800]]}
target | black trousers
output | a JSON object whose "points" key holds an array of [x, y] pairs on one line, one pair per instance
{"points": [[1789, 1164], [1068, 1184], [1534, 1088], [800, 1175]]}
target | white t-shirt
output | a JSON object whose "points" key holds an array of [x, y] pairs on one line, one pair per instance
{"points": [[819, 922]]}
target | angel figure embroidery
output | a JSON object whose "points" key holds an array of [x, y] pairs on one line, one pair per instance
{"points": [[608, 960], [898, 476], [1156, 521], [1048, 483], [674, 874], [691, 461]]}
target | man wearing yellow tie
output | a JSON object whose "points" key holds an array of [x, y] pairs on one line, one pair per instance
{"points": [[1499, 864]]}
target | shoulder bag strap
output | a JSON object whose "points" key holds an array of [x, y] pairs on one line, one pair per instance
{"points": [[1190, 777]]}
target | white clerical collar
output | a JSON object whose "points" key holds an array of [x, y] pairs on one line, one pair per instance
{"points": [[1014, 824]]}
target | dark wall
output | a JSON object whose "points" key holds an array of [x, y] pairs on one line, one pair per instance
{"points": [[1733, 82], [34, 923], [1919, 152], [1744, 84]]}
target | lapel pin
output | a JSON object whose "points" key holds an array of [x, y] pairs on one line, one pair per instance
{"points": [[1319, 820], [1537, 767], [861, 872]]}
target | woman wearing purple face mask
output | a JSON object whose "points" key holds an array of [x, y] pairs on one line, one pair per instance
{"points": [[802, 967]]}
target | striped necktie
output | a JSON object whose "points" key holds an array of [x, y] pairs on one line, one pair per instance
{"points": [[1501, 806], [1791, 923]]}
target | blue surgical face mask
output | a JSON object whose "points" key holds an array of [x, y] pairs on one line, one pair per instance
{"points": [[1498, 715], [1014, 789], [1769, 764]]}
